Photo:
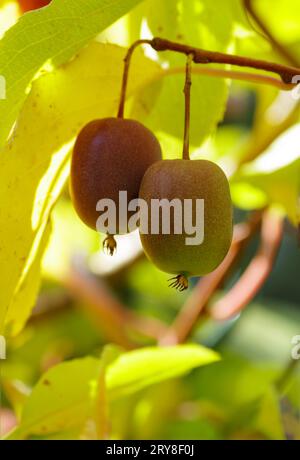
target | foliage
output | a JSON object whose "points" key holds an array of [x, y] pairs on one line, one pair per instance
{"points": [[63, 380]]}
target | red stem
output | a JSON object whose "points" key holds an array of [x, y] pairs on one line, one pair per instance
{"points": [[255, 274], [195, 306]]}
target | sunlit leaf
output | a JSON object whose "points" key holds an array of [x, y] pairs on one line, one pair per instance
{"points": [[137, 369], [62, 399], [34, 165], [210, 26], [269, 419], [276, 173], [69, 237], [67, 397], [8, 15], [54, 34], [27, 289], [284, 20]]}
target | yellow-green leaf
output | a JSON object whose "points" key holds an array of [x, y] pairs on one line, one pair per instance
{"points": [[66, 399], [34, 164], [52, 34], [62, 400], [204, 24], [274, 177], [137, 369]]}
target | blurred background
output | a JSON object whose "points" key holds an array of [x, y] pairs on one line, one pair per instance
{"points": [[87, 299]]}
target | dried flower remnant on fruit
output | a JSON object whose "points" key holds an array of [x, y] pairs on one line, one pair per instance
{"points": [[110, 156], [180, 282], [110, 245], [189, 180]]}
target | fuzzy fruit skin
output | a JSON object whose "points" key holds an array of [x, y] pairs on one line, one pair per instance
{"points": [[27, 5], [186, 179], [110, 155]]}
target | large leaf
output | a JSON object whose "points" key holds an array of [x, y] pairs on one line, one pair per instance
{"points": [[137, 369], [62, 400], [269, 420], [54, 34], [284, 20], [28, 286], [274, 177], [73, 393], [261, 416], [208, 25], [34, 165]]}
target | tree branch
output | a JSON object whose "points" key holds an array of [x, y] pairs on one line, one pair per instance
{"points": [[107, 312], [207, 286], [201, 56], [255, 274]]}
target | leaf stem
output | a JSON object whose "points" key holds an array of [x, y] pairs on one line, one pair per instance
{"points": [[187, 115], [257, 272], [195, 306], [233, 75]]}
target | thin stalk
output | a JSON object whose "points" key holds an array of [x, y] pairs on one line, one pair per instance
{"points": [[127, 62], [200, 56], [187, 115]]}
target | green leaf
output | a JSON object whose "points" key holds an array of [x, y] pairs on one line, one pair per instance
{"points": [[34, 164], [61, 401], [72, 396], [261, 416], [69, 237], [274, 177], [26, 291], [284, 20], [52, 34], [137, 369], [269, 420], [210, 26]]}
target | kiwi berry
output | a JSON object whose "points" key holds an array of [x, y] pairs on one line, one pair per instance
{"points": [[185, 179], [27, 5], [109, 156]]}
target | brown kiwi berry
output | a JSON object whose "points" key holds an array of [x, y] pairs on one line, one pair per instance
{"points": [[185, 179], [110, 155]]}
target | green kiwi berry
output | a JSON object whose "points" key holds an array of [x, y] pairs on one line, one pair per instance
{"points": [[185, 179]]}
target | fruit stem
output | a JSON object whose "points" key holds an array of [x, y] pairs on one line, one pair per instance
{"points": [[127, 62], [187, 96], [288, 74]]}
